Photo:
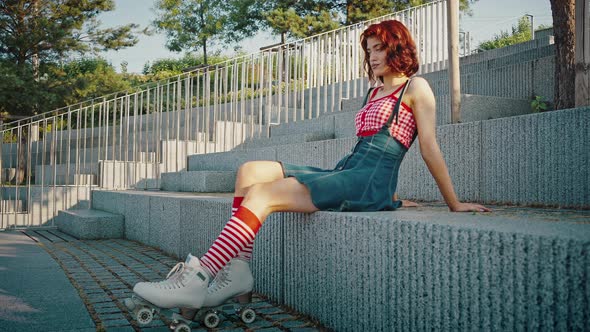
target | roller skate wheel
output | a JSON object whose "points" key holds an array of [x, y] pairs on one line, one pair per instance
{"points": [[144, 316], [182, 327], [211, 320], [247, 315]]}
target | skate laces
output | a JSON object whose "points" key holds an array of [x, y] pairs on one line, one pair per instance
{"points": [[177, 269], [221, 279], [175, 278]]}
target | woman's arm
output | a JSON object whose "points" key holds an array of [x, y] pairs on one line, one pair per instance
{"points": [[423, 106]]}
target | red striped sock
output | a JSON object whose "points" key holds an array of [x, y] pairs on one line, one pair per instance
{"points": [[246, 254], [236, 204], [238, 233]]}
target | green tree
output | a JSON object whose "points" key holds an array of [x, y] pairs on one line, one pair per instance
{"points": [[34, 34], [60, 85], [520, 33], [303, 18], [165, 68], [192, 24], [88, 78], [299, 19], [53, 28]]}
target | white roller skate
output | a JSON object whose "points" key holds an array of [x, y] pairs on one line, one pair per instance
{"points": [[184, 287], [233, 282]]}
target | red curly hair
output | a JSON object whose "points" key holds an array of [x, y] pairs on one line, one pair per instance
{"points": [[401, 49]]}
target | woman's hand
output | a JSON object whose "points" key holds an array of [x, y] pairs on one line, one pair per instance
{"points": [[406, 203], [469, 207]]}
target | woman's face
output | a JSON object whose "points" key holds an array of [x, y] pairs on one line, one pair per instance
{"points": [[377, 54]]}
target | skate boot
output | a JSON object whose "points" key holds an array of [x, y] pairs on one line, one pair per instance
{"points": [[185, 286], [234, 281]]}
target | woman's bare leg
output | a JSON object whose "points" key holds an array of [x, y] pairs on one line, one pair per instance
{"points": [[255, 172], [261, 200], [286, 195]]}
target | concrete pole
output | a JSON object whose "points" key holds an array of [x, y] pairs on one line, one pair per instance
{"points": [[454, 74], [582, 53]]}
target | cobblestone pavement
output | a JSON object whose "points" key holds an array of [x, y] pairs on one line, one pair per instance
{"points": [[104, 272]]}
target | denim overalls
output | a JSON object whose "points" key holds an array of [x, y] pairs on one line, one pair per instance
{"points": [[364, 180]]}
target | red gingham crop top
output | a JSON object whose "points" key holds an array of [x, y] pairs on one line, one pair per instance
{"points": [[371, 118]]}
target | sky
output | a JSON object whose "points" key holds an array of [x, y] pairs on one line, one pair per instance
{"points": [[490, 17]]}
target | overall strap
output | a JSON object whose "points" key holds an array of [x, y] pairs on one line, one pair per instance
{"points": [[395, 112], [367, 96]]}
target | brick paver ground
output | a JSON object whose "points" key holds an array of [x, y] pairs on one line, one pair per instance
{"points": [[104, 272]]}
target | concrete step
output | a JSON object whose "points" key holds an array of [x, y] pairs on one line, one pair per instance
{"points": [[90, 224], [256, 143], [174, 153], [428, 261], [147, 184], [120, 174], [228, 161], [42, 203], [322, 125], [199, 181]]}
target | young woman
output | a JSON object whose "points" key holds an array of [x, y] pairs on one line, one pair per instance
{"points": [[399, 110]]}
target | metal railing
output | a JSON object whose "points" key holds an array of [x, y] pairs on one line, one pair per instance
{"points": [[54, 160]]}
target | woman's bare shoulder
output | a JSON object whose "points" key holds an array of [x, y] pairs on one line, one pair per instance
{"points": [[419, 84], [419, 89]]}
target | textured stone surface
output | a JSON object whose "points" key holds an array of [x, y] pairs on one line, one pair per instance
{"points": [[344, 124], [229, 161], [285, 140], [434, 270], [137, 217], [121, 174], [310, 154], [164, 224], [537, 159], [90, 224], [268, 261], [210, 182], [201, 221], [324, 125], [337, 149], [171, 181], [460, 145]]}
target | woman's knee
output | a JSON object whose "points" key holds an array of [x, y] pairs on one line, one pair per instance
{"points": [[259, 171], [246, 168], [258, 199], [259, 193]]}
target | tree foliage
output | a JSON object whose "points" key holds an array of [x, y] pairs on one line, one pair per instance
{"points": [[49, 32], [52, 29], [165, 68], [303, 18], [60, 85], [520, 33], [196, 25]]}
